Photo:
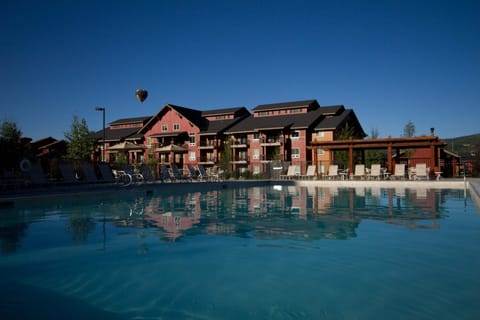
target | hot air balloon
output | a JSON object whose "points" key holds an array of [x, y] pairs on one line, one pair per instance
{"points": [[141, 94]]}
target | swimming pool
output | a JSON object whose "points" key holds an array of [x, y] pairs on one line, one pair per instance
{"points": [[273, 252]]}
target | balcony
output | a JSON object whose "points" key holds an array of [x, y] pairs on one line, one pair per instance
{"points": [[240, 159], [207, 160], [207, 145], [240, 143], [270, 141]]}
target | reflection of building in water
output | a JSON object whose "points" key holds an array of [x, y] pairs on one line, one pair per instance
{"points": [[174, 214], [288, 212]]}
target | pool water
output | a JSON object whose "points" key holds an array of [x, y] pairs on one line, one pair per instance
{"points": [[272, 252]]}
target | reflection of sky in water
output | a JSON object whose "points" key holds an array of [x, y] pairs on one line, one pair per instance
{"points": [[257, 253]]}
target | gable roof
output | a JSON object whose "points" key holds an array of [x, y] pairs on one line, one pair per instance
{"points": [[311, 104], [337, 121], [194, 116]]}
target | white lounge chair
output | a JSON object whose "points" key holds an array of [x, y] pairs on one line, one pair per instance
{"points": [[375, 171], [293, 170], [421, 171], [310, 174], [399, 171], [333, 172], [359, 171]]}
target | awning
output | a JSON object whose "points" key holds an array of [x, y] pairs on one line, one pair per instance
{"points": [[171, 148], [168, 134], [127, 146]]}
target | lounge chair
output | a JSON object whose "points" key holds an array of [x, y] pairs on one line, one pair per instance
{"points": [[146, 172], [36, 175], [333, 172], [192, 172], [68, 173], [165, 174], [399, 171], [106, 172], [89, 173], [421, 171], [137, 177], [177, 174], [203, 173], [375, 171], [291, 172], [359, 171], [310, 174]]}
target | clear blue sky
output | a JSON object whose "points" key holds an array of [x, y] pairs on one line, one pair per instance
{"points": [[390, 61]]}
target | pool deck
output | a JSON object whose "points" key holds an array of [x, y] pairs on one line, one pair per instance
{"points": [[9, 196]]}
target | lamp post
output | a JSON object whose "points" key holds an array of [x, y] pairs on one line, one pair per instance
{"points": [[104, 143]]}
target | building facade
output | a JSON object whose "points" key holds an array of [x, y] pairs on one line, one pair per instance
{"points": [[255, 142]]}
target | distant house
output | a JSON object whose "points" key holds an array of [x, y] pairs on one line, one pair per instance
{"points": [[49, 148]]}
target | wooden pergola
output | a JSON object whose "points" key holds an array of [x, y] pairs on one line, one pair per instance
{"points": [[433, 143]]}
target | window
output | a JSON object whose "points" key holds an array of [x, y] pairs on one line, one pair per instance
{"points": [[256, 153], [164, 127], [295, 134], [176, 126], [256, 136], [192, 156], [191, 137], [320, 134], [320, 152], [295, 153], [256, 169]]}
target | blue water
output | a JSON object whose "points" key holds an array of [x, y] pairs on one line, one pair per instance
{"points": [[258, 253]]}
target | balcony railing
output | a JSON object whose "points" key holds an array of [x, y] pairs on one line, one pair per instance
{"points": [[270, 140], [207, 144]]}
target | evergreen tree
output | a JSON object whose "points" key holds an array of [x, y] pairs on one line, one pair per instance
{"points": [[409, 130], [80, 140], [11, 147]]}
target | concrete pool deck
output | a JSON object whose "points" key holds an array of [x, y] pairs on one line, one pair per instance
{"points": [[472, 184]]}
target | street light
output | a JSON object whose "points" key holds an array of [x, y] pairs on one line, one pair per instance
{"points": [[104, 143]]}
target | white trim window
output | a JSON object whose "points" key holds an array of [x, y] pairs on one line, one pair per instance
{"points": [[320, 152], [295, 153], [164, 127], [256, 154], [256, 169], [191, 138], [256, 136], [320, 134], [295, 134], [176, 127], [192, 156]]}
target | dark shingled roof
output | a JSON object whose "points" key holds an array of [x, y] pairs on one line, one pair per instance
{"points": [[294, 121], [195, 116], [131, 120], [218, 112], [219, 126], [333, 123], [312, 104], [116, 134]]}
